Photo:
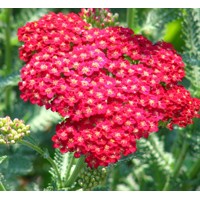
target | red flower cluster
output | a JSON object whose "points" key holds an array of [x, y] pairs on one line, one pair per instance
{"points": [[111, 85]]}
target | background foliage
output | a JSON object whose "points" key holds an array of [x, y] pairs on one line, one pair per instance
{"points": [[168, 160]]}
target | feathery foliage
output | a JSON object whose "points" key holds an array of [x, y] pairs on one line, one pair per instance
{"points": [[153, 21], [43, 120], [191, 54], [11, 80]]}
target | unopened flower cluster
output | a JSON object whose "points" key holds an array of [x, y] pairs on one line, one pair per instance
{"points": [[99, 17], [12, 131], [90, 178], [113, 86]]}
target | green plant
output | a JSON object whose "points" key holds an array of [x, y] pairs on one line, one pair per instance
{"points": [[167, 160]]}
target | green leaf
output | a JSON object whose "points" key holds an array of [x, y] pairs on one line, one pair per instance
{"points": [[155, 22], [155, 153], [191, 54], [44, 120], [11, 80], [2, 158], [191, 30], [19, 165], [29, 15], [62, 162], [16, 165]]}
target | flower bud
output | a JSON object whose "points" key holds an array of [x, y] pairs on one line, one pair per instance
{"points": [[90, 178], [12, 141], [2, 141], [12, 131], [95, 17]]}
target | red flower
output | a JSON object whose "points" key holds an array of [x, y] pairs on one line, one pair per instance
{"points": [[111, 85]]}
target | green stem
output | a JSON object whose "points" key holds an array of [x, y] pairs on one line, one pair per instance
{"points": [[2, 188], [195, 169], [178, 164], [175, 151], [155, 145], [8, 60], [181, 158], [69, 167], [131, 12], [166, 186], [8, 12], [80, 164], [40, 151], [115, 177]]}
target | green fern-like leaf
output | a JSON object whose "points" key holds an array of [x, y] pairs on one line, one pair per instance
{"points": [[28, 15], [44, 120], [137, 154], [191, 30], [191, 54], [155, 21], [11, 80], [155, 154], [62, 163]]}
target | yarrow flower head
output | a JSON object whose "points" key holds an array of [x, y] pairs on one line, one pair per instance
{"points": [[112, 86], [12, 131]]}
